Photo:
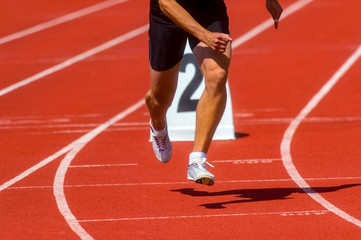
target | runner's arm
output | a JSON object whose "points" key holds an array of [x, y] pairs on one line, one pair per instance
{"points": [[175, 12]]}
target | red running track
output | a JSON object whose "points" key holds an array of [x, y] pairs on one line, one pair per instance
{"points": [[116, 189]]}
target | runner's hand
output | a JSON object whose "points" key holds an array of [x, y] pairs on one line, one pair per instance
{"points": [[275, 9], [217, 41]]}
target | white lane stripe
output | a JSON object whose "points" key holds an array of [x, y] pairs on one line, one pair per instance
{"points": [[241, 161], [75, 59], [268, 121], [188, 182], [269, 23], [87, 130], [67, 116], [104, 165], [59, 123], [65, 163], [60, 20], [283, 214], [287, 139], [126, 126]]}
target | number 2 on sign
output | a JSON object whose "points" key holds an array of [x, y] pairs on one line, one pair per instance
{"points": [[186, 104]]}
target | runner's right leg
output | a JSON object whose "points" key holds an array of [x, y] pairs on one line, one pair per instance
{"points": [[158, 99]]}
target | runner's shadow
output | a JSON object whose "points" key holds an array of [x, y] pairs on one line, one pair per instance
{"points": [[257, 195]]}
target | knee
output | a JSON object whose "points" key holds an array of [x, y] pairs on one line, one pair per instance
{"points": [[156, 101], [216, 81], [147, 98]]}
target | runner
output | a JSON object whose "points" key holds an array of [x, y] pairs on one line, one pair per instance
{"points": [[205, 24]]}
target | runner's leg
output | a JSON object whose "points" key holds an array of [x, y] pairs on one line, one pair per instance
{"points": [[161, 93], [214, 66]]}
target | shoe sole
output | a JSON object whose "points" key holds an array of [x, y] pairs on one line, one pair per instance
{"points": [[203, 180]]}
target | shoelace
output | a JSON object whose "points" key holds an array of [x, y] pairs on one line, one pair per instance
{"points": [[161, 144], [203, 161]]}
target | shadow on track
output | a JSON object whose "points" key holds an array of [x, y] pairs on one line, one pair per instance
{"points": [[239, 135], [256, 195]]}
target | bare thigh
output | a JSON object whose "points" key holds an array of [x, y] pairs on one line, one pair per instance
{"points": [[164, 84], [213, 64]]}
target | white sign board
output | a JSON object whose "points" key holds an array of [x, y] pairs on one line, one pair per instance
{"points": [[181, 116]]}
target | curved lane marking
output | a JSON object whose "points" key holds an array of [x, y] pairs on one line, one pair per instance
{"points": [[58, 186], [287, 139]]}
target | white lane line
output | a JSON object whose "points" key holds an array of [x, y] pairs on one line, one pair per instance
{"points": [[104, 165], [67, 116], [66, 122], [87, 130], [245, 111], [188, 183], [65, 163], [32, 123], [283, 214], [268, 121], [42, 128], [75, 59], [287, 139], [248, 161], [269, 23], [59, 123], [60, 20]]}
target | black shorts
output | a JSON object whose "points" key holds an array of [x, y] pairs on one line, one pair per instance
{"points": [[167, 41]]}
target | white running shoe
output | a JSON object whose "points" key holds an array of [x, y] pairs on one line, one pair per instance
{"points": [[198, 173], [162, 146]]}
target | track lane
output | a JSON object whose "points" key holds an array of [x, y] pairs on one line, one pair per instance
{"points": [[35, 53], [25, 14], [60, 20]]}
